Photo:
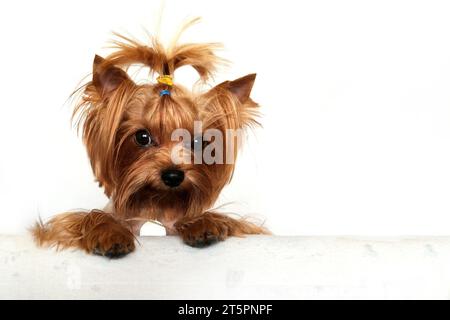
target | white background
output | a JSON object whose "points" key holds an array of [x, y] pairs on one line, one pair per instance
{"points": [[355, 97]]}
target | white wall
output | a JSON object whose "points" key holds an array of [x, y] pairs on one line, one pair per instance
{"points": [[355, 95]]}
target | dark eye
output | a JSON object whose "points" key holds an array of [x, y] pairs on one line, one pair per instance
{"points": [[143, 138], [198, 143]]}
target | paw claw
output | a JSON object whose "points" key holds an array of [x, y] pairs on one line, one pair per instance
{"points": [[116, 251], [206, 240]]}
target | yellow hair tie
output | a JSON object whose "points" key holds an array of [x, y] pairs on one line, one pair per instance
{"points": [[165, 79]]}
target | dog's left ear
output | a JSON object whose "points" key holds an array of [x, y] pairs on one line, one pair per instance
{"points": [[240, 110], [106, 77], [240, 88]]}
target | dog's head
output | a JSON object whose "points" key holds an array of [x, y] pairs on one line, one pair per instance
{"points": [[149, 144]]}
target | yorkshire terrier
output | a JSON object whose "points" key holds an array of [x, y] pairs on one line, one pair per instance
{"points": [[128, 130]]}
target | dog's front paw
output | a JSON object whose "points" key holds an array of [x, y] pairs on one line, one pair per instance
{"points": [[201, 231], [111, 241]]}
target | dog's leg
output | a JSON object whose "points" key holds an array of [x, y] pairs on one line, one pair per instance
{"points": [[95, 232], [211, 227]]}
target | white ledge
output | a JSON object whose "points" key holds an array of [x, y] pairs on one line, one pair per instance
{"points": [[256, 267]]}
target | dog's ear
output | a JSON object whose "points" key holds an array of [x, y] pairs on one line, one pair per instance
{"points": [[241, 88], [106, 77], [230, 103]]}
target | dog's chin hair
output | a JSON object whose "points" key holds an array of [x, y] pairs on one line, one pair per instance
{"points": [[150, 197]]}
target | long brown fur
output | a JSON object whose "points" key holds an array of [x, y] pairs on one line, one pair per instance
{"points": [[95, 232], [112, 109]]}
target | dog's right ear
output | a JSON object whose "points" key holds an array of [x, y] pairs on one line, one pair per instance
{"points": [[107, 77]]}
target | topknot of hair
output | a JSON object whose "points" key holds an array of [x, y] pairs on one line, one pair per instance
{"points": [[166, 60]]}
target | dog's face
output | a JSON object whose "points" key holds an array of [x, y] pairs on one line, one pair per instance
{"points": [[130, 134]]}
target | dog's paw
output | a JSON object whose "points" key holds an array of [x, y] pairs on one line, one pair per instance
{"points": [[112, 241], [201, 232]]}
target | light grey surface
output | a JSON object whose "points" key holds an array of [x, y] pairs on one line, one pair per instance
{"points": [[256, 267]]}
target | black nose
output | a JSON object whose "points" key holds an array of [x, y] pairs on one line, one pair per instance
{"points": [[172, 178]]}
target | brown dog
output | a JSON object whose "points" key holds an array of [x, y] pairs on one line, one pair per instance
{"points": [[128, 131]]}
